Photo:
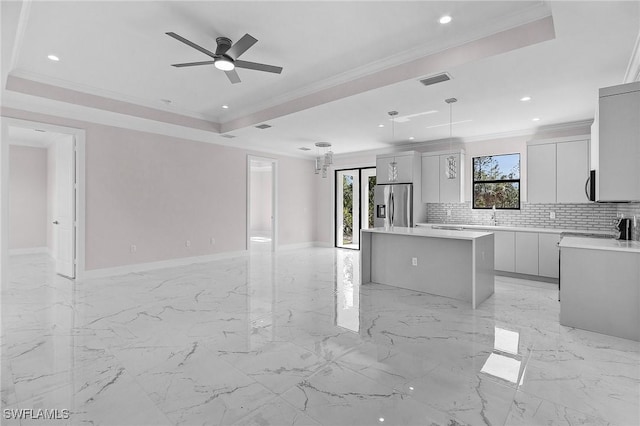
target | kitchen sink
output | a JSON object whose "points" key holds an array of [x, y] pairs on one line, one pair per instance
{"points": [[448, 227]]}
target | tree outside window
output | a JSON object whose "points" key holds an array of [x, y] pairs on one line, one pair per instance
{"points": [[496, 182]]}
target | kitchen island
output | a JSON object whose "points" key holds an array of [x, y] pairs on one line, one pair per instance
{"points": [[451, 263], [600, 286]]}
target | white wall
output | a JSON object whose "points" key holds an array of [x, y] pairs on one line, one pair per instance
{"points": [[27, 197], [157, 192]]}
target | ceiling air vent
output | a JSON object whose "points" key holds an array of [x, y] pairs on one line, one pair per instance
{"points": [[262, 126], [228, 136], [438, 78]]}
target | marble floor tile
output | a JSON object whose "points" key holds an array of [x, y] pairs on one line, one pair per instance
{"points": [[293, 338]]}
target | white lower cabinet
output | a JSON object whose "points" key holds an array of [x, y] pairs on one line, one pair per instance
{"points": [[527, 253], [548, 255], [504, 250]]}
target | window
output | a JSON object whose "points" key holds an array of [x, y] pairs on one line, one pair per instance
{"points": [[496, 181]]}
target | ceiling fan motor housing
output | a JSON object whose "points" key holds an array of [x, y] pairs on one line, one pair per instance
{"points": [[224, 44]]}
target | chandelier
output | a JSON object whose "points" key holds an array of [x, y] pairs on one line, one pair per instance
{"points": [[324, 159]]}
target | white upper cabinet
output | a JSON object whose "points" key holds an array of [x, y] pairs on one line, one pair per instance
{"points": [[572, 172], [541, 173], [437, 186], [557, 171], [404, 166], [618, 175], [431, 179]]}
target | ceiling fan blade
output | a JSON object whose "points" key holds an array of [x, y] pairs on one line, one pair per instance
{"points": [[233, 76], [241, 46], [258, 67], [193, 64], [192, 44]]}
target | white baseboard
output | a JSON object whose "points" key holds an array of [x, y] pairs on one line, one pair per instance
{"points": [[170, 263], [323, 244], [308, 244], [30, 250]]}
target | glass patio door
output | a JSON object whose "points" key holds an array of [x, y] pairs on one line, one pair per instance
{"points": [[354, 205]]}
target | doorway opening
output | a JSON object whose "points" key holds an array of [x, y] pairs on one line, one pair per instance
{"points": [[261, 203], [43, 194], [354, 194]]}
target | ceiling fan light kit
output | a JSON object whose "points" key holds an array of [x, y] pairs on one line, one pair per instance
{"points": [[226, 56]]}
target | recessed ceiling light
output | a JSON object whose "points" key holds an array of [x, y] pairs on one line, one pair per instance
{"points": [[535, 119], [225, 106], [411, 138], [53, 58], [380, 125], [525, 98], [445, 19]]}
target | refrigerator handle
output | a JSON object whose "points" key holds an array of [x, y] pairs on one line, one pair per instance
{"points": [[392, 209]]}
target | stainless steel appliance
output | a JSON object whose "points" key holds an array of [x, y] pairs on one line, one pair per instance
{"points": [[625, 226], [394, 205]]}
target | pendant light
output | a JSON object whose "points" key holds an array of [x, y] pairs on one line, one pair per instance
{"points": [[325, 160], [451, 171], [393, 166]]}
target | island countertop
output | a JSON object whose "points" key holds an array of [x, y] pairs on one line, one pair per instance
{"points": [[429, 232]]}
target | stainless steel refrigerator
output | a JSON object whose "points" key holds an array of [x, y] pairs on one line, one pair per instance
{"points": [[394, 205]]}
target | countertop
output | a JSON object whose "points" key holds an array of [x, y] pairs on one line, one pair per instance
{"points": [[517, 228], [428, 232], [601, 244]]}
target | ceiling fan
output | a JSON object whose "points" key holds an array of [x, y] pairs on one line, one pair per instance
{"points": [[226, 56]]}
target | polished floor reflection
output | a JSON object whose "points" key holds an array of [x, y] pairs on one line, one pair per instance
{"points": [[292, 338]]}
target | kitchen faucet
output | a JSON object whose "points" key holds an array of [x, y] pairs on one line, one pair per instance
{"points": [[494, 218]]}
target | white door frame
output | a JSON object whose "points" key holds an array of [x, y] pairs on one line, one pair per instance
{"points": [[79, 135], [274, 200]]}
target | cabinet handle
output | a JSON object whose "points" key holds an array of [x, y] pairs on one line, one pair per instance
{"points": [[586, 188]]}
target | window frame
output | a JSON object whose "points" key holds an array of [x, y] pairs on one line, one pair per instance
{"points": [[474, 181]]}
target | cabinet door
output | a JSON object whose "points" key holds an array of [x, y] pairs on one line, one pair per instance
{"points": [[382, 169], [619, 174], [527, 253], [504, 250], [404, 165], [405, 169], [548, 255], [449, 188], [431, 179], [541, 173], [572, 160]]}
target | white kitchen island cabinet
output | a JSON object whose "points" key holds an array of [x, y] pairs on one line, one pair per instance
{"points": [[455, 264], [600, 286]]}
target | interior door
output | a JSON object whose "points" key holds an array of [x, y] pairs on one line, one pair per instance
{"points": [[65, 207]]}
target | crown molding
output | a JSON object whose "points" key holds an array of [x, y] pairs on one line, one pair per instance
{"points": [[23, 106], [107, 94]]}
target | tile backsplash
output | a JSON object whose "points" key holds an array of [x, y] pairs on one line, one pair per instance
{"points": [[592, 216]]}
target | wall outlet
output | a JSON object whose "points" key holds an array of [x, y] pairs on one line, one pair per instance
{"points": [[187, 243], [414, 261], [212, 241], [552, 215], [133, 248]]}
